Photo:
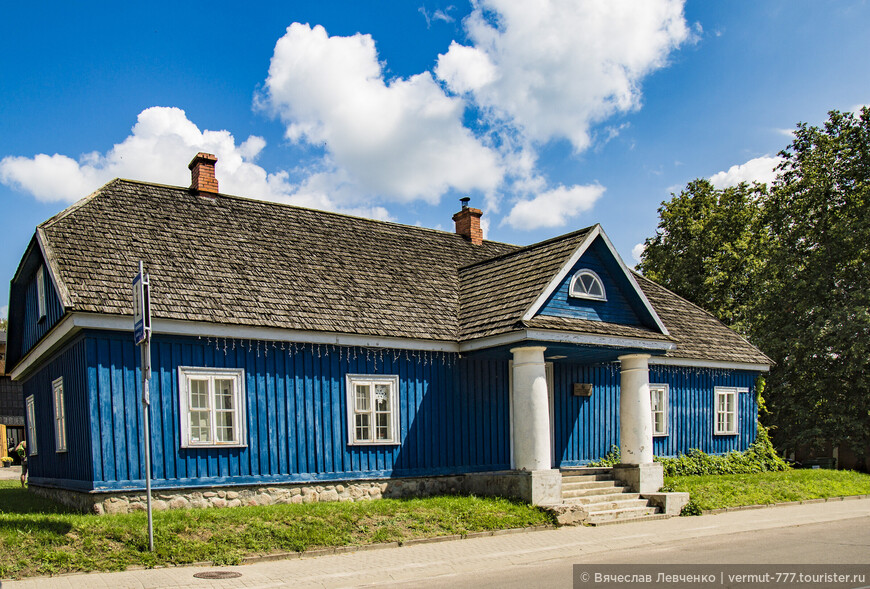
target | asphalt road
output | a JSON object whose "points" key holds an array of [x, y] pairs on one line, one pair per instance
{"points": [[838, 542]]}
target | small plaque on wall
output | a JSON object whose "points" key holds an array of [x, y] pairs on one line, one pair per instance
{"points": [[582, 389]]}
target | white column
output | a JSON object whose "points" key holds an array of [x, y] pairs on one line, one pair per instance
{"points": [[635, 419], [531, 430]]}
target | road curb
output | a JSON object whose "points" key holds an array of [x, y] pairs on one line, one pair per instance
{"points": [[783, 504]]}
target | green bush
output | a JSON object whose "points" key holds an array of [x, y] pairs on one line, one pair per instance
{"points": [[760, 457]]}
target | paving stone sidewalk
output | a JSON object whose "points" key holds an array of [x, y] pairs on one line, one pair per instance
{"points": [[418, 563]]}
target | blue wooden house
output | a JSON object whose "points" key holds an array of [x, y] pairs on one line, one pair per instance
{"points": [[304, 355]]}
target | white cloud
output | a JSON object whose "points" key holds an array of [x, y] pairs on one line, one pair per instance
{"points": [[560, 66], [402, 140], [553, 208], [637, 251], [161, 144], [760, 169], [4, 312]]}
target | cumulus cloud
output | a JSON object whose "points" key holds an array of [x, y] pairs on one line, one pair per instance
{"points": [[158, 149], [402, 139], [553, 208], [760, 169], [556, 67], [637, 251]]}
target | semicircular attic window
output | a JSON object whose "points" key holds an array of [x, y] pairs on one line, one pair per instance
{"points": [[587, 285]]}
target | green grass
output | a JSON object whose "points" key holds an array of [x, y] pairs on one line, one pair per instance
{"points": [[733, 490], [39, 537]]}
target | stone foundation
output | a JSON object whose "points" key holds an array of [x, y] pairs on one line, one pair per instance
{"points": [[504, 484]]}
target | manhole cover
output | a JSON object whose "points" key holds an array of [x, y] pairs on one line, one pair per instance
{"points": [[217, 575]]}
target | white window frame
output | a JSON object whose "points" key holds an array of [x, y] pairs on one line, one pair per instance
{"points": [[584, 295], [720, 426], [664, 391], [59, 414], [351, 382], [239, 410], [30, 404], [40, 292]]}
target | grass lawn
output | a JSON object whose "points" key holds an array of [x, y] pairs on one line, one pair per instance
{"points": [[732, 490], [39, 537]]}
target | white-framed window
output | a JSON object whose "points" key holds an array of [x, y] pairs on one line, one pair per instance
{"points": [[40, 291], [372, 409], [726, 410], [212, 407], [30, 405], [586, 284], [59, 415], [658, 396]]}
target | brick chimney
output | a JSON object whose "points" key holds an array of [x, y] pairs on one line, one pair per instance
{"points": [[468, 222], [202, 173]]}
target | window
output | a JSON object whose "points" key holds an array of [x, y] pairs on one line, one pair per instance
{"points": [[587, 285], [40, 291], [31, 426], [212, 407], [59, 415], [726, 410], [658, 395], [372, 409]]}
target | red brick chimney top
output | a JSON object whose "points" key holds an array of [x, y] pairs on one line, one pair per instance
{"points": [[202, 177], [468, 222]]}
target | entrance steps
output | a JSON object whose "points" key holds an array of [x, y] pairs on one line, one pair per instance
{"points": [[604, 499]]}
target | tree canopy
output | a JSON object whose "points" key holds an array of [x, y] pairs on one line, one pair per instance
{"points": [[787, 265]]}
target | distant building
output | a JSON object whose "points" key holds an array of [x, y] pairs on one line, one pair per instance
{"points": [[11, 406]]}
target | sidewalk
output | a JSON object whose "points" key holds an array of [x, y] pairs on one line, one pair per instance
{"points": [[418, 563]]}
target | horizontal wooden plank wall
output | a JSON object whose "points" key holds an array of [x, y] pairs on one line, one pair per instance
{"points": [[72, 468], [454, 413], [585, 428]]}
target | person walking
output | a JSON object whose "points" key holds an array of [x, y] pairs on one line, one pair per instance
{"points": [[21, 448]]}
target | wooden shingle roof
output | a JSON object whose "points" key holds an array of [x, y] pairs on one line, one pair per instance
{"points": [[236, 261]]}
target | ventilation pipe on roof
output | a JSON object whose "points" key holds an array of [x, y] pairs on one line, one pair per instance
{"points": [[468, 222], [202, 177]]}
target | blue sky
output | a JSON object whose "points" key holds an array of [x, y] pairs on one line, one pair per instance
{"points": [[551, 115]]}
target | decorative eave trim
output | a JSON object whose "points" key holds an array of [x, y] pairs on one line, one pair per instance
{"points": [[564, 337], [720, 364], [572, 261], [75, 322]]}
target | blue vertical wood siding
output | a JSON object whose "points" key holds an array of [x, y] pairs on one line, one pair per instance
{"points": [[453, 413], [26, 310], [616, 309], [73, 467], [585, 428]]}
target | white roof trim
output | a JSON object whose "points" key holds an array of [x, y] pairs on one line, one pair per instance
{"points": [[572, 261], [75, 322], [564, 337], [695, 363], [48, 257]]}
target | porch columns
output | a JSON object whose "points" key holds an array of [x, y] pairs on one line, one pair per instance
{"points": [[637, 468], [531, 427]]}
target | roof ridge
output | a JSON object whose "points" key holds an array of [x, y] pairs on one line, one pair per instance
{"points": [[525, 248], [76, 205], [278, 204]]}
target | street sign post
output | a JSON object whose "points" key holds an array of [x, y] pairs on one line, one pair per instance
{"points": [[142, 337]]}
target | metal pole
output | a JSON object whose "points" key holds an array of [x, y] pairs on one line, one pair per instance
{"points": [[146, 410]]}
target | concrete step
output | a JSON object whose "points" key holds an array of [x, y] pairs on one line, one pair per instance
{"points": [[590, 485], [616, 504], [585, 470], [604, 498], [586, 478], [618, 515], [588, 492], [629, 520]]}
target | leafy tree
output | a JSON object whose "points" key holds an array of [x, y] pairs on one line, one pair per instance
{"points": [[813, 315], [788, 266], [708, 248], [4, 324]]}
